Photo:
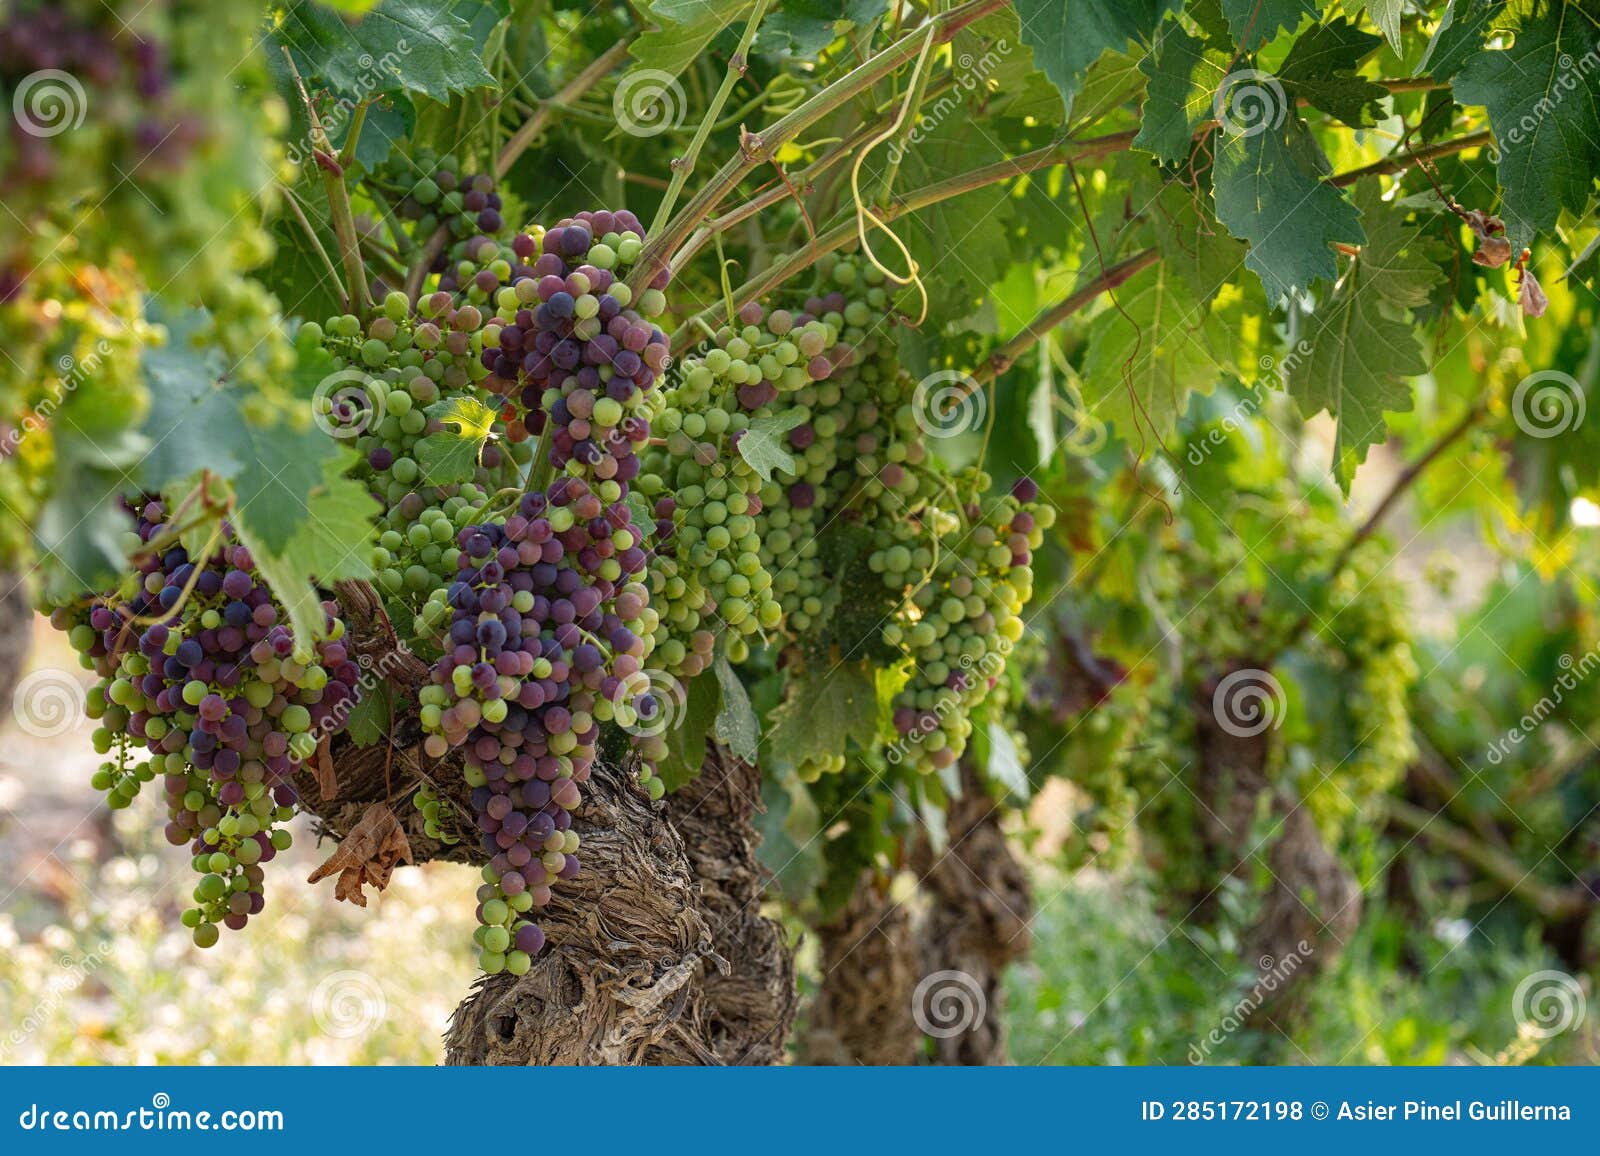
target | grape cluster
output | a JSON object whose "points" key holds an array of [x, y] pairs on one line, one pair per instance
{"points": [[466, 205], [404, 367], [198, 668], [961, 583], [541, 642]]}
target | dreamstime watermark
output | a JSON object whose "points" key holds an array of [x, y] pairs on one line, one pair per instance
{"points": [[648, 702], [73, 373], [1249, 702], [348, 403], [371, 82], [73, 975], [1567, 80], [1548, 403], [926, 722], [48, 703], [1548, 1003], [1573, 672], [1218, 432], [349, 1005], [1271, 975], [1249, 102], [372, 674], [947, 1004], [973, 74], [649, 102], [49, 102], [948, 403]]}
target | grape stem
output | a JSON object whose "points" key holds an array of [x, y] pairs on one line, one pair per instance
{"points": [[683, 167], [333, 168], [909, 202], [756, 149]]}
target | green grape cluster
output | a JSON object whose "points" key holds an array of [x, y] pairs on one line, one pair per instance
{"points": [[962, 578], [401, 370]]}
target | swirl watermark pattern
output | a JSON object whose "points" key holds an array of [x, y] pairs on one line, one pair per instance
{"points": [[1548, 403], [1548, 1003], [649, 102], [48, 703], [1249, 702], [49, 102], [349, 1004], [648, 702], [948, 403], [948, 1003], [1249, 102], [347, 404]]}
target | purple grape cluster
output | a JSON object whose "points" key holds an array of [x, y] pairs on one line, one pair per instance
{"points": [[126, 71], [539, 646], [198, 668]]}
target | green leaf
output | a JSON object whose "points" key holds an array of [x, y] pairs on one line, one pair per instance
{"points": [[736, 726], [686, 742], [1457, 38], [197, 421], [1254, 22], [1545, 113], [1270, 192], [1004, 765], [1385, 16], [1361, 348], [762, 444], [1183, 79], [332, 542], [418, 46], [805, 27], [685, 29], [1321, 69], [1067, 38], [1150, 353], [823, 710], [369, 719], [448, 458]]}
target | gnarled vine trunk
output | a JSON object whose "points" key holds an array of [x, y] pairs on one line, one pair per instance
{"points": [[921, 981], [1313, 904]]}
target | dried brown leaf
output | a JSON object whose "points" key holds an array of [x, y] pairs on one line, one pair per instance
{"points": [[369, 854], [1492, 252], [1530, 295]]}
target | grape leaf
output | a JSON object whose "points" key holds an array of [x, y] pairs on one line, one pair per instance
{"points": [[298, 273], [197, 423], [81, 529], [369, 720], [1269, 191], [1202, 255], [1004, 764], [684, 30], [1183, 78], [686, 741], [1139, 375], [762, 444], [1361, 347], [735, 726], [1254, 22], [332, 542], [1067, 38], [447, 457], [417, 46], [1320, 68], [1457, 38], [805, 27], [823, 710], [1384, 14], [1545, 113]]}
